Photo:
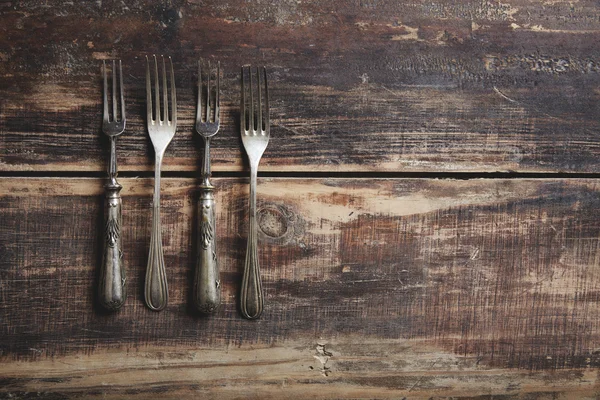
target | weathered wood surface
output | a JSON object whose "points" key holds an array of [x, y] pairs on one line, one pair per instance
{"points": [[347, 368], [375, 288], [363, 85]]}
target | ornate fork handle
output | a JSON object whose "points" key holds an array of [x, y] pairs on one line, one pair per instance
{"points": [[207, 291], [156, 291], [112, 289], [251, 293]]}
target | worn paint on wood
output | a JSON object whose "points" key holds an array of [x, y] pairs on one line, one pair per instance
{"points": [[355, 86]]}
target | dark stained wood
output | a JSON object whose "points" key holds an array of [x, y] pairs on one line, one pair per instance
{"points": [[364, 85], [375, 288]]}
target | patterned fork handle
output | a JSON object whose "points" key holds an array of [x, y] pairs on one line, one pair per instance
{"points": [[112, 289], [207, 287]]}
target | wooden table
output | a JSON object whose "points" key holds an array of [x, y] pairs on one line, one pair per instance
{"points": [[428, 201]]}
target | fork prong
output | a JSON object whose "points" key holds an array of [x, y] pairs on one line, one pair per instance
{"points": [[243, 106], [252, 127], [121, 87], [164, 91], [267, 126], [199, 102], [259, 88], [218, 90], [156, 92], [114, 92], [105, 96], [173, 95], [148, 92], [208, 94]]}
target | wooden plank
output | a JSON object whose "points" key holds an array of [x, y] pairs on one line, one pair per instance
{"points": [[377, 288], [354, 368], [355, 86]]}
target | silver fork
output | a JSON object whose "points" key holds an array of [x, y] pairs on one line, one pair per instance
{"points": [[207, 291], [255, 138], [111, 289], [161, 130]]}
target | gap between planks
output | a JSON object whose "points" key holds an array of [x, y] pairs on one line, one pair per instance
{"points": [[308, 175]]}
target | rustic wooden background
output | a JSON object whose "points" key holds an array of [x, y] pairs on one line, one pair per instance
{"points": [[428, 201]]}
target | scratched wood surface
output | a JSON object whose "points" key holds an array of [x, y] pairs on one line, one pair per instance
{"points": [[375, 288], [362, 85]]}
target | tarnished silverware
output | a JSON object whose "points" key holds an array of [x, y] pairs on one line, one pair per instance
{"points": [[112, 289], [161, 130], [255, 137], [207, 290]]}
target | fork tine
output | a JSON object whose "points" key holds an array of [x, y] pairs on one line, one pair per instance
{"points": [[267, 126], [252, 127], [121, 87], [164, 91], [148, 92], [199, 102], [217, 94], [114, 92], [173, 96], [208, 94], [105, 96], [259, 87], [243, 107], [156, 92]]}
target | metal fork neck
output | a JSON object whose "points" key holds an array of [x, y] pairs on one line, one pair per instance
{"points": [[112, 166], [157, 168], [205, 172]]}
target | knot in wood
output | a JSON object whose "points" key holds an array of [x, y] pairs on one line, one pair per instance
{"points": [[276, 222]]}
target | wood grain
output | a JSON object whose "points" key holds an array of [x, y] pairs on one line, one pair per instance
{"points": [[364, 85], [352, 368], [375, 288]]}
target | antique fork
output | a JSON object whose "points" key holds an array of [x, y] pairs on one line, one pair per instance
{"points": [[255, 138], [111, 289], [207, 291], [161, 131]]}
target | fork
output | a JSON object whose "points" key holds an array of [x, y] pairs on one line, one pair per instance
{"points": [[161, 131], [207, 292], [255, 138], [111, 289]]}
